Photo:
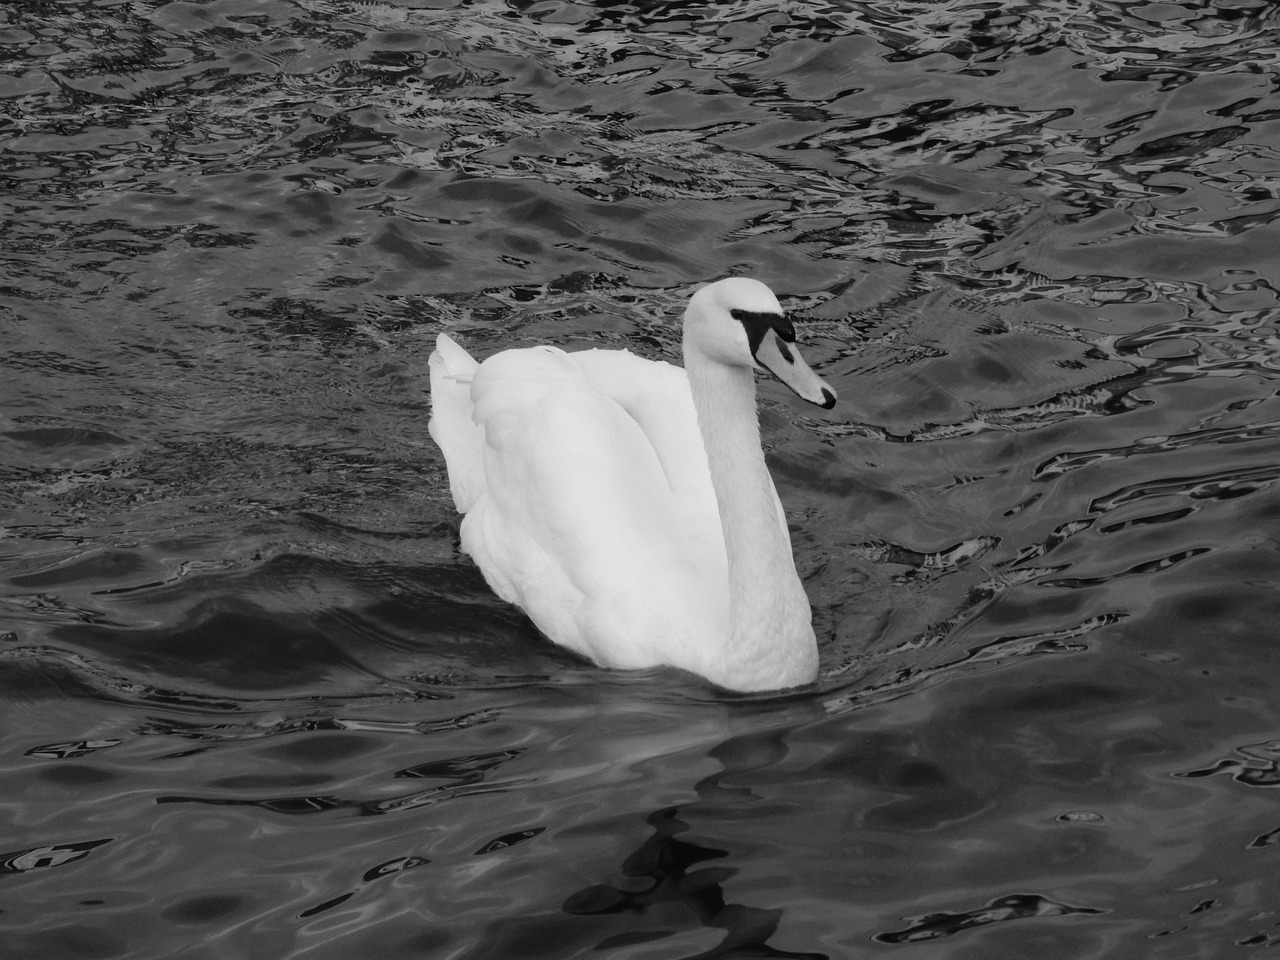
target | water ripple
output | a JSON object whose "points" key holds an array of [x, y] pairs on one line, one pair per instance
{"points": [[1032, 246]]}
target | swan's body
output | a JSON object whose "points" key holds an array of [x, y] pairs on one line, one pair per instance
{"points": [[625, 504]]}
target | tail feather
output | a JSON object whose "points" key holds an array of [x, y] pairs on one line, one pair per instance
{"points": [[451, 424]]}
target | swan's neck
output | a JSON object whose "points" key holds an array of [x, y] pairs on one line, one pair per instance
{"points": [[771, 633]]}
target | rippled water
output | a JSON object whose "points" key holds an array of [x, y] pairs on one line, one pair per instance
{"points": [[257, 704]]}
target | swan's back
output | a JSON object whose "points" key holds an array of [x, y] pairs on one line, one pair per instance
{"points": [[587, 498]]}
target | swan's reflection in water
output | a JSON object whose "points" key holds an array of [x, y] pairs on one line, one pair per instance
{"points": [[671, 879], [666, 870]]}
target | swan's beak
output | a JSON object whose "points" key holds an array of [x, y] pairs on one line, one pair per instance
{"points": [[783, 360]]}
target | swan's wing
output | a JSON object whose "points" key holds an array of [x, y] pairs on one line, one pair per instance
{"points": [[593, 515], [657, 396]]}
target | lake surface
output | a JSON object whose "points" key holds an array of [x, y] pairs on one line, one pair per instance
{"points": [[255, 702]]}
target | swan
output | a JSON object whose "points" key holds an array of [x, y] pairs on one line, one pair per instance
{"points": [[624, 504]]}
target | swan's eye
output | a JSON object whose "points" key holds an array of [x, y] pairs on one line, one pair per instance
{"points": [[757, 324]]}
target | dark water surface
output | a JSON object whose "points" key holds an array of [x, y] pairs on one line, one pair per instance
{"points": [[257, 705]]}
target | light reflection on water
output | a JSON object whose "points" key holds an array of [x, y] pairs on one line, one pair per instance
{"points": [[257, 704]]}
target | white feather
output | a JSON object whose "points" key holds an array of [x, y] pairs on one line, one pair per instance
{"points": [[590, 500]]}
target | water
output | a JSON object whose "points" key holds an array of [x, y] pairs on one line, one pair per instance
{"points": [[257, 705]]}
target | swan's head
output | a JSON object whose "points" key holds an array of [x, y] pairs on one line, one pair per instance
{"points": [[739, 322]]}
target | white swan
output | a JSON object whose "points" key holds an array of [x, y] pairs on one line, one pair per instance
{"points": [[625, 504]]}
